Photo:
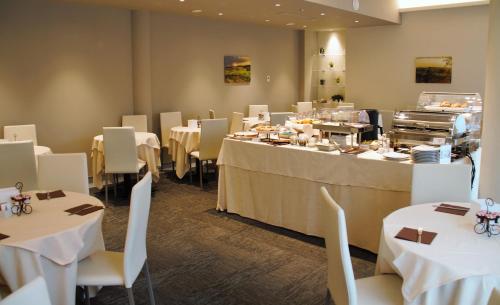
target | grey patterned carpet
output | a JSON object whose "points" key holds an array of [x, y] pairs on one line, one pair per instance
{"points": [[200, 256]]}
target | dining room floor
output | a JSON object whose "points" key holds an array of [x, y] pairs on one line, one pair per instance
{"points": [[200, 256]]}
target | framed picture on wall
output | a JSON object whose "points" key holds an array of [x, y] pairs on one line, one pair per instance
{"points": [[237, 69], [436, 70]]}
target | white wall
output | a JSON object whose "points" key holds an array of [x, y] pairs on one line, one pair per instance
{"points": [[66, 68], [381, 60], [188, 70]]}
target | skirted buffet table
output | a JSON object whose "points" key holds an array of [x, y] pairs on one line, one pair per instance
{"points": [[280, 185]]}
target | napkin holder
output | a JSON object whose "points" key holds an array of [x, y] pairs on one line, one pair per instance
{"points": [[487, 221]]}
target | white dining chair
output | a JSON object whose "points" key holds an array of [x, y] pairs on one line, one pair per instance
{"points": [[67, 172], [20, 133], [211, 114], [106, 268], [168, 120], [139, 122], [441, 182], [304, 107], [120, 154], [18, 164], [254, 110], [236, 122], [387, 117], [279, 118], [35, 292], [211, 137], [343, 288]]}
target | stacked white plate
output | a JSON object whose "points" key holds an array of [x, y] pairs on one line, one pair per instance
{"points": [[425, 154]]}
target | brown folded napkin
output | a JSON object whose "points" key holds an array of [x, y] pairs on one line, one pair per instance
{"points": [[452, 209], [412, 235], [78, 208], [89, 210], [53, 195], [3, 236]]}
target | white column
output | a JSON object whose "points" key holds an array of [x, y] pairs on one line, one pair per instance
{"points": [[490, 161], [141, 64]]}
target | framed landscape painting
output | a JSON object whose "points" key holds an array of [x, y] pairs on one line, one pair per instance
{"points": [[237, 69], [435, 70]]}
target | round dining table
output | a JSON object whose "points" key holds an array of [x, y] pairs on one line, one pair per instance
{"points": [[459, 266], [49, 242], [148, 150], [182, 142]]}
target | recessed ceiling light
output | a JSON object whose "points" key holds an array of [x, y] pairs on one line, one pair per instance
{"points": [[357, 21], [277, 4], [267, 20], [220, 14], [181, 0], [322, 14], [290, 23], [196, 11], [304, 26]]}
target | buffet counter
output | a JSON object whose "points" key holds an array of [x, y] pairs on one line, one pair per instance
{"points": [[280, 185]]}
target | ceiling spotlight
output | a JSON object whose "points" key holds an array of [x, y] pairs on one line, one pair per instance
{"points": [[322, 14], [181, 0], [304, 26], [290, 23], [357, 21], [277, 5], [267, 20], [220, 14]]}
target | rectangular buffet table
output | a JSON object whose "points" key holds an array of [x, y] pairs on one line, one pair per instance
{"points": [[281, 186]]}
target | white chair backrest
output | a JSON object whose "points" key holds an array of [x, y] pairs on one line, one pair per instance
{"points": [[17, 164], [387, 117], [341, 281], [441, 182], [167, 121], [20, 133], [236, 122], [34, 292], [254, 110], [139, 122], [135, 253], [67, 172], [304, 107], [279, 118], [211, 137], [120, 150], [211, 114]]}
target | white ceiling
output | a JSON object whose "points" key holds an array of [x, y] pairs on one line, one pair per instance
{"points": [[416, 5], [296, 14]]}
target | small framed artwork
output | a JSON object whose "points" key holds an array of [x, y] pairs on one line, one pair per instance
{"points": [[436, 70], [237, 69]]}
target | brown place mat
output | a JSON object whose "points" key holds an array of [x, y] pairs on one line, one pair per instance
{"points": [[53, 195], [89, 210], [412, 235], [452, 209], [78, 208], [3, 236]]}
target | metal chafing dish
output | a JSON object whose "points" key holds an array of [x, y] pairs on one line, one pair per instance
{"points": [[440, 118]]}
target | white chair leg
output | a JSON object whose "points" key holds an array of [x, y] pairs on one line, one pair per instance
{"points": [[150, 284], [106, 187], [201, 174], [130, 296], [87, 295]]}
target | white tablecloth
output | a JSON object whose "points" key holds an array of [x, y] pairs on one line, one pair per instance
{"points": [[50, 243], [183, 141], [281, 186], [148, 150], [460, 267]]}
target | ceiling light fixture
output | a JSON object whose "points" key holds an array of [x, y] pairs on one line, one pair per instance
{"points": [[290, 23], [322, 14], [220, 14], [277, 5], [196, 11], [267, 20], [304, 26], [357, 21], [181, 0]]}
